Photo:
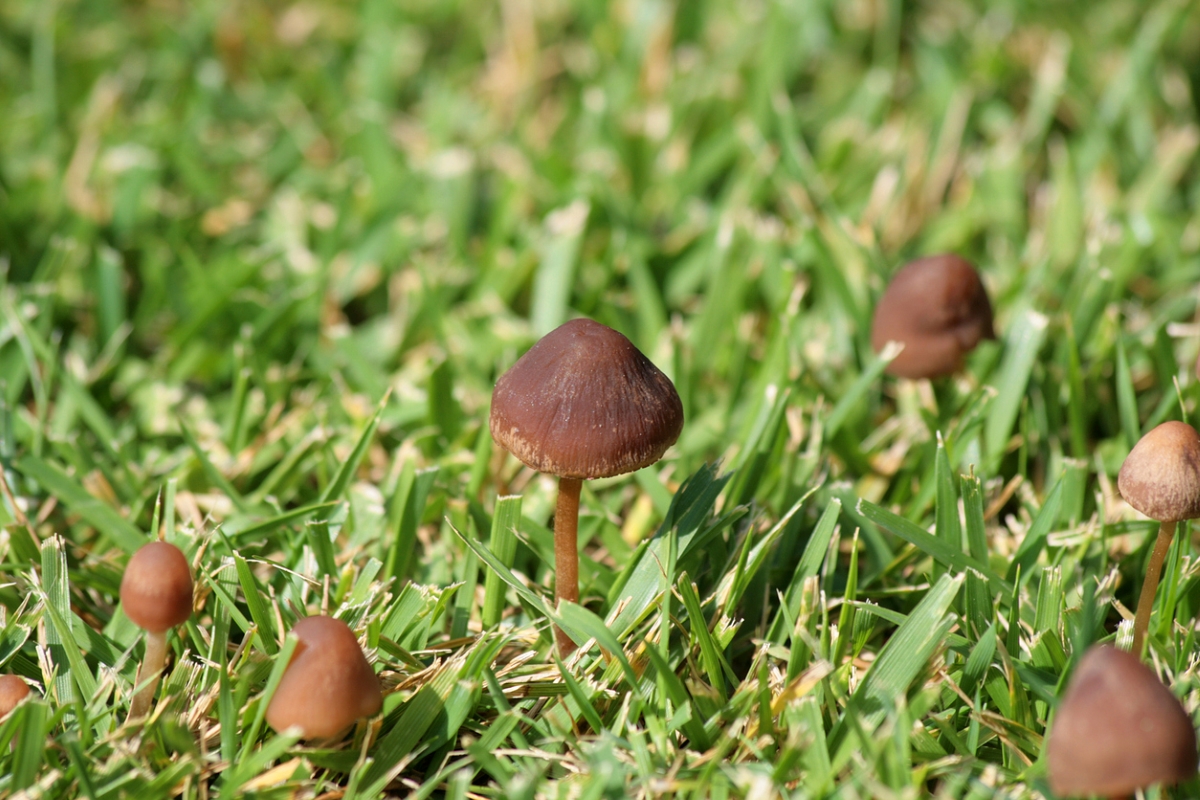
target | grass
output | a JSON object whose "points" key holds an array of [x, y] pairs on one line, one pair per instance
{"points": [[262, 263]]}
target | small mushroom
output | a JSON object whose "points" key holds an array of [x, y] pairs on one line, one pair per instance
{"points": [[938, 308], [1161, 479], [583, 403], [328, 683], [13, 689], [156, 593], [1117, 729]]}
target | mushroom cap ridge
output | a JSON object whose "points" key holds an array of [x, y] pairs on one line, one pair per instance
{"points": [[328, 684], [583, 402], [938, 307], [1117, 729], [1161, 474], [156, 589]]}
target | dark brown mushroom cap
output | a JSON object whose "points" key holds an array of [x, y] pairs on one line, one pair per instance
{"points": [[156, 590], [585, 403], [1117, 729], [13, 689], [328, 683], [938, 308], [1161, 474]]}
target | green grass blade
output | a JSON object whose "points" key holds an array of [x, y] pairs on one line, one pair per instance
{"points": [[247, 531], [898, 664], [503, 543], [66, 652], [952, 557], [103, 517], [555, 275], [1022, 345], [947, 526], [710, 653], [1126, 399], [256, 603], [1035, 538], [580, 697], [345, 473], [852, 400], [210, 469]]}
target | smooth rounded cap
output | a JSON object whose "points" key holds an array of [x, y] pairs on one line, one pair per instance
{"points": [[1117, 729], [156, 590], [585, 403], [328, 683], [1161, 474], [938, 308], [13, 689]]}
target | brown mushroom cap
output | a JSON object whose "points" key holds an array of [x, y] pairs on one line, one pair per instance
{"points": [[13, 689], [1161, 474], [585, 403], [328, 683], [156, 590], [1117, 729], [937, 306]]}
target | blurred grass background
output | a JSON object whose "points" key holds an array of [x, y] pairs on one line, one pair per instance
{"points": [[262, 263]]}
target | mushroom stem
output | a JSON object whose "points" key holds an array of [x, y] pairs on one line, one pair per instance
{"points": [[566, 553], [1141, 621], [152, 664]]}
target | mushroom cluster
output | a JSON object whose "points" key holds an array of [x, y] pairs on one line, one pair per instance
{"points": [[326, 686], [584, 403]]}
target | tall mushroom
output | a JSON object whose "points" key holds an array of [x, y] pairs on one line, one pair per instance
{"points": [[583, 403], [1117, 729], [938, 308], [156, 593], [1161, 479], [327, 685]]}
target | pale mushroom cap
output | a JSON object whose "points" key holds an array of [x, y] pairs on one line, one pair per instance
{"points": [[1161, 475], [1117, 729], [13, 689], [585, 403], [156, 589], [938, 307], [328, 683]]}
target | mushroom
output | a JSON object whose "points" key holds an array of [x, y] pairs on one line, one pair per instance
{"points": [[13, 689], [156, 593], [1161, 479], [583, 403], [938, 309], [328, 683], [1117, 729]]}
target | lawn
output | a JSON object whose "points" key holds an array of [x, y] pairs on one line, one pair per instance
{"points": [[262, 263]]}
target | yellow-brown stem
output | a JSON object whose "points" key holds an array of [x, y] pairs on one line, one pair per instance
{"points": [[152, 664], [566, 552], [1141, 621]]}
